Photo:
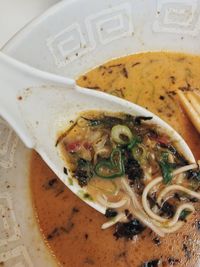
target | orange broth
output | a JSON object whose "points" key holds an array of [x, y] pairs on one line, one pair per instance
{"points": [[71, 229]]}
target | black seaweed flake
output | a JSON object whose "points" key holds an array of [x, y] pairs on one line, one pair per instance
{"points": [[86, 236], [107, 120], [121, 255], [83, 172], [67, 228], [153, 263], [156, 241], [116, 65], [111, 121], [152, 201], [161, 97], [167, 209], [57, 231], [128, 214], [134, 172], [173, 79], [152, 133], [173, 150], [177, 196], [183, 215], [53, 234], [193, 175], [55, 185], [198, 225], [110, 213], [124, 72], [129, 229], [94, 87], [187, 251], [52, 182], [65, 171], [173, 261], [132, 167], [89, 261], [135, 64], [60, 191], [138, 119], [75, 210]]}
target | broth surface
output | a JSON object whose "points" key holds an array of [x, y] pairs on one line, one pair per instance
{"points": [[71, 228]]}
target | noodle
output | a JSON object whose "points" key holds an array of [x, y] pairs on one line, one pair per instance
{"points": [[138, 211], [176, 188], [145, 201], [181, 208], [120, 217], [173, 224], [172, 229], [122, 147], [113, 205]]}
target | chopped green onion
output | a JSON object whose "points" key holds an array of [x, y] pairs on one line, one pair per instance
{"points": [[139, 153], [134, 142], [111, 168], [184, 214], [117, 133], [166, 168]]}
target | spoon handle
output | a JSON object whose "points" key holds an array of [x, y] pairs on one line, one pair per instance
{"points": [[15, 77]]}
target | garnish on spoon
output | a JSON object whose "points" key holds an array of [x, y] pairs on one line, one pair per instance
{"points": [[141, 161]]}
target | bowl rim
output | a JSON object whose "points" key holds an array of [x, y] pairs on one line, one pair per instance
{"points": [[28, 27]]}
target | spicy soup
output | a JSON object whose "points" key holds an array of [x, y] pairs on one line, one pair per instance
{"points": [[71, 228]]}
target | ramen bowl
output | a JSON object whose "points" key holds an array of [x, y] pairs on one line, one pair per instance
{"points": [[69, 39]]}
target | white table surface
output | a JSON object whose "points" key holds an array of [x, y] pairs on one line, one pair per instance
{"points": [[14, 14]]}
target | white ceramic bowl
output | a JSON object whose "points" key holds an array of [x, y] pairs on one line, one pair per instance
{"points": [[69, 39]]}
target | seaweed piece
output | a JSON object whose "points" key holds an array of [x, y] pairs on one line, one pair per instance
{"points": [[166, 168], [53, 234], [198, 225], [173, 261], [135, 64], [193, 175], [86, 236], [124, 72], [138, 119], [128, 214], [152, 133], [52, 182], [111, 121], [106, 120], [65, 171], [129, 229], [84, 172], [110, 213], [167, 209], [134, 172], [152, 201], [173, 150], [156, 241], [132, 167], [152, 263], [177, 196], [88, 261], [186, 251], [184, 215]]}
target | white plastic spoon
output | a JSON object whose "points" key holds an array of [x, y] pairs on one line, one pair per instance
{"points": [[38, 105]]}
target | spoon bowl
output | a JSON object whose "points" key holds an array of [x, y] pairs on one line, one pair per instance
{"points": [[40, 105]]}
